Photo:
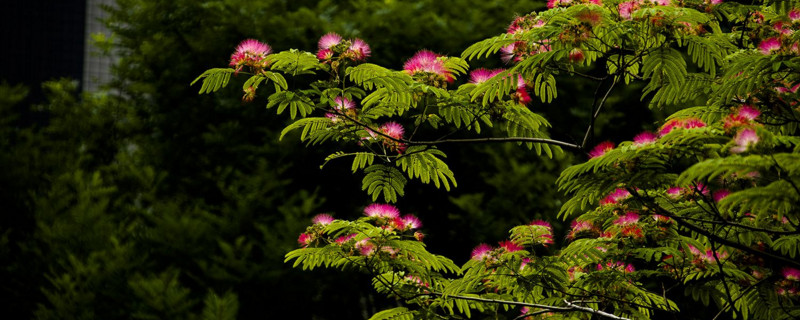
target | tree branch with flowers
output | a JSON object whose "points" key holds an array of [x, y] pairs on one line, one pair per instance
{"points": [[707, 207]]}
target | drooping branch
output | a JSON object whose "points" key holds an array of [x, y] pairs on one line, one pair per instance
{"points": [[570, 306], [489, 140]]}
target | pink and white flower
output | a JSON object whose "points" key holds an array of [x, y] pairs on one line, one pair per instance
{"points": [[768, 46], [426, 61], [510, 246], [250, 52], [359, 50], [323, 219], [393, 129], [481, 252], [380, 210], [329, 40], [601, 149], [615, 196], [644, 138], [791, 274], [627, 219], [744, 139]]}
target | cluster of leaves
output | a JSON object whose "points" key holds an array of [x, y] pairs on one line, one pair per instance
{"points": [[709, 204]]}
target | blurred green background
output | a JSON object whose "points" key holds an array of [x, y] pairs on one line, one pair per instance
{"points": [[146, 200]]}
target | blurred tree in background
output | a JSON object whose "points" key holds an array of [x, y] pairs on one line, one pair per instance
{"points": [[152, 202]]}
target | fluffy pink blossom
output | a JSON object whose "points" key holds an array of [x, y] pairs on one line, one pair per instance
{"points": [[644, 138], [481, 252], [324, 54], [768, 46], [791, 274], [788, 90], [674, 192], [305, 239], [615, 196], [661, 2], [627, 8], [580, 226], [344, 239], [510, 246], [627, 219], [749, 112], [720, 194], [693, 123], [713, 2], [481, 75], [342, 104], [507, 53], [601, 149], [359, 50], [381, 210], [542, 223], [794, 15], [329, 40], [411, 222], [688, 123], [744, 139], [323, 219], [249, 52], [393, 129], [365, 247], [427, 62]]}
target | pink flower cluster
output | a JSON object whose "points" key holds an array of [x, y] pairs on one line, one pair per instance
{"points": [[482, 75], [342, 106], [251, 53], [706, 257], [388, 217], [428, 67], [615, 197], [332, 44], [582, 228], [744, 121], [780, 38], [626, 9], [686, 123]]}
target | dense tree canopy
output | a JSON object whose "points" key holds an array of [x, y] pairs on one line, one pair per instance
{"points": [[703, 211]]}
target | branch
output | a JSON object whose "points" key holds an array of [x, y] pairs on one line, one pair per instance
{"points": [[569, 307], [596, 112], [485, 140]]}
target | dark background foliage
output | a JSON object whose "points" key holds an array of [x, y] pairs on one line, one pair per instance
{"points": [[149, 201]]}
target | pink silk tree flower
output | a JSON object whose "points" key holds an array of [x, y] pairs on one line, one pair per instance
{"points": [[323, 219], [426, 61], [342, 104], [749, 112], [768, 46], [510, 246], [411, 222], [249, 52], [481, 252], [329, 40], [601, 149], [393, 129], [720, 194], [627, 219], [791, 274], [744, 139], [359, 50], [482, 75], [615, 196], [644, 138], [382, 211]]}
